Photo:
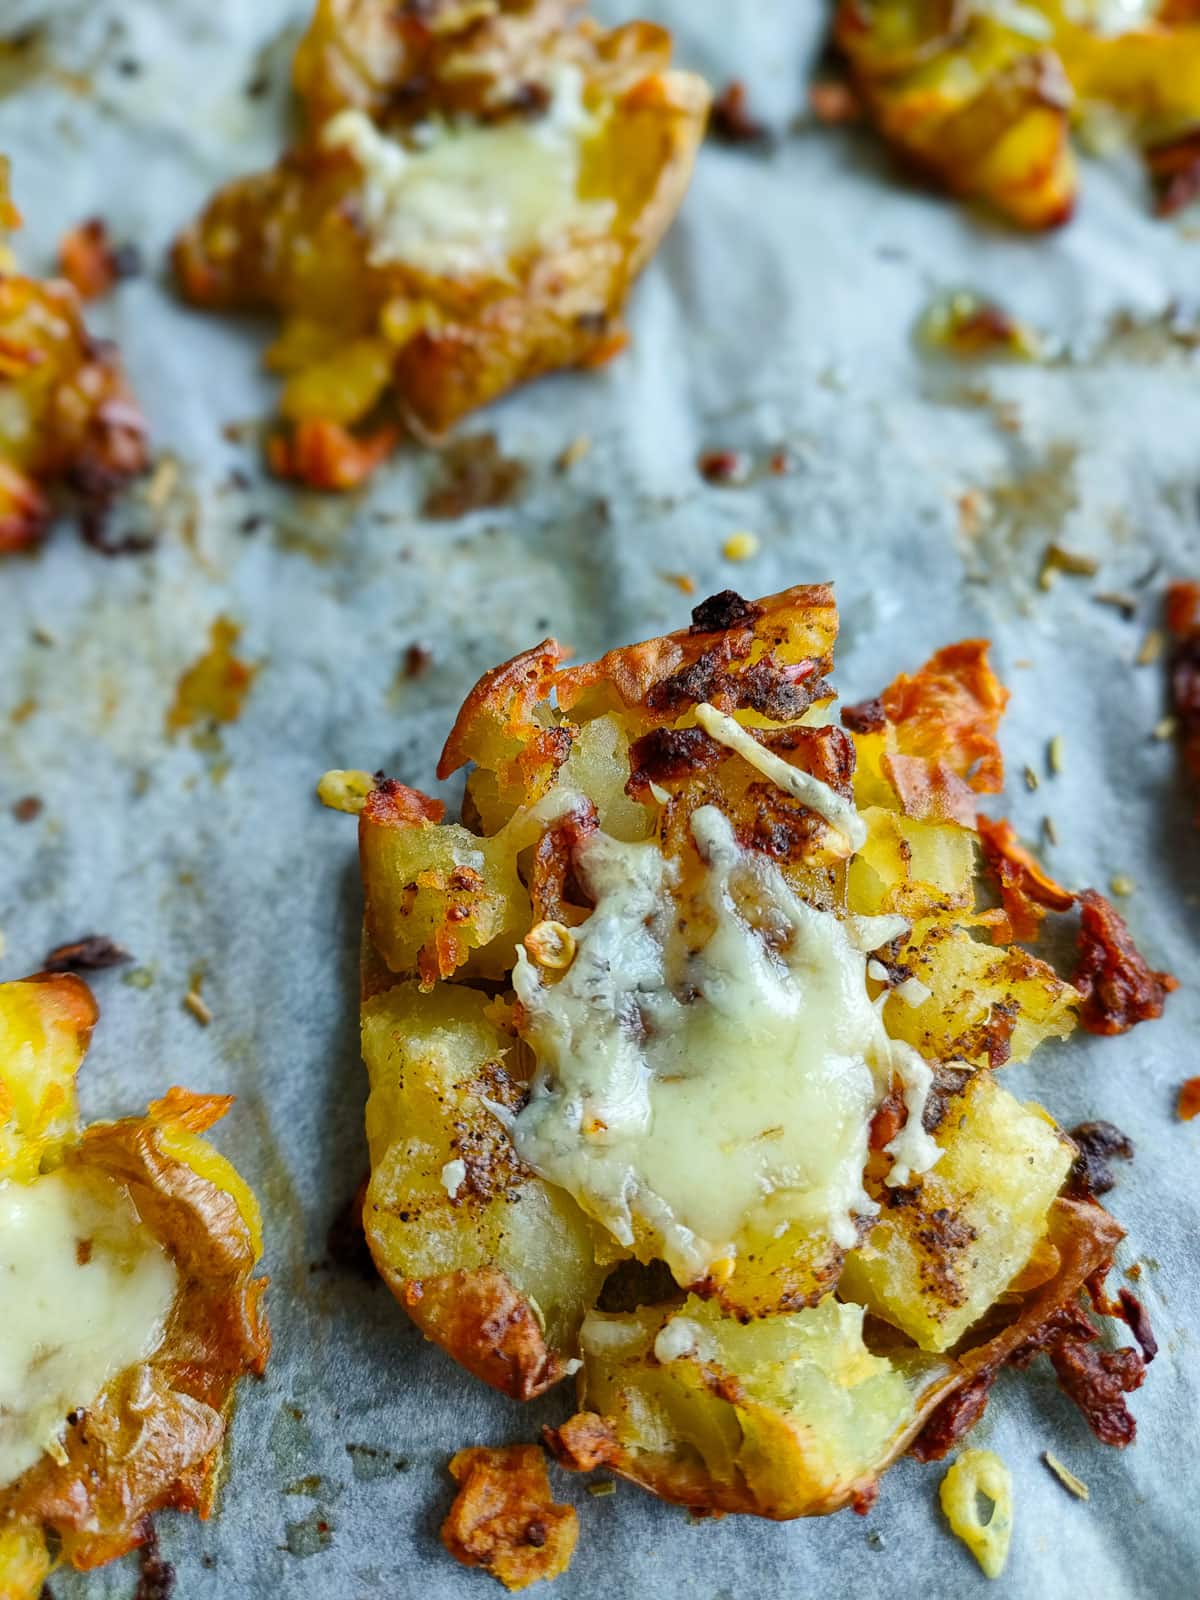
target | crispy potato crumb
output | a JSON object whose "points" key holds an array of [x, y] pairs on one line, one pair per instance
{"points": [[741, 546], [978, 1473], [1189, 1100], [345, 789], [503, 1518], [1066, 1477]]}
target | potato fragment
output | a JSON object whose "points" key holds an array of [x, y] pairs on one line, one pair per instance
{"points": [[784, 1416], [504, 1519], [942, 1253]]}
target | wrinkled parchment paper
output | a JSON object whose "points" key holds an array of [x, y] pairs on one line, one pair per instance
{"points": [[778, 315]]}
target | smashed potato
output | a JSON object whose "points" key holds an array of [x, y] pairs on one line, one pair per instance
{"points": [[475, 190], [982, 99], [132, 1247], [684, 1050], [68, 420]]}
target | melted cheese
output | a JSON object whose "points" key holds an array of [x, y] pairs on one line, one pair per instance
{"points": [[478, 194], [838, 812], [85, 1290], [706, 1075]]}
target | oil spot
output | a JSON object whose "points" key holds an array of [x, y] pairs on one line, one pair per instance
{"points": [[214, 688], [309, 1536], [369, 1464]]}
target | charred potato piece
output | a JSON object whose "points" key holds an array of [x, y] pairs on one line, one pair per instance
{"points": [[983, 101], [168, 1235], [475, 191], [943, 1252], [68, 419]]}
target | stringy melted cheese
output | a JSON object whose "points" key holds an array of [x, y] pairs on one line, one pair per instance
{"points": [[478, 194], [705, 1076], [85, 1290]]}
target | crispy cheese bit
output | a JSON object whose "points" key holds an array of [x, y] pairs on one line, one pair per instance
{"points": [[970, 327], [345, 790], [980, 1473], [838, 812], [504, 1519]]}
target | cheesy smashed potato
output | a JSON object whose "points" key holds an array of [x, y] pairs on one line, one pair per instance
{"points": [[126, 1258], [685, 1051], [983, 97], [68, 421], [475, 189]]}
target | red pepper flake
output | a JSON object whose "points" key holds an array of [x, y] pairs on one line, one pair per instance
{"points": [[724, 466], [28, 808], [1119, 990], [730, 119], [1189, 1100]]}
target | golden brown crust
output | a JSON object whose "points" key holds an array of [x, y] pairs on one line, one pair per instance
{"points": [[480, 1319], [504, 1519]]}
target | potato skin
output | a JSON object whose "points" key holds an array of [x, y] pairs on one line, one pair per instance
{"points": [[357, 334]]}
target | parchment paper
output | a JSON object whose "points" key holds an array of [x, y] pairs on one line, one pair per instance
{"points": [[778, 315]]}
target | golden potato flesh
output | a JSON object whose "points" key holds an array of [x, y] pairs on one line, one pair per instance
{"points": [[458, 1227], [944, 1251], [786, 1416], [983, 101], [473, 195], [143, 1240], [599, 1016]]}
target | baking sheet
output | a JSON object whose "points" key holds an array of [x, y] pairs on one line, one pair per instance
{"points": [[778, 315]]}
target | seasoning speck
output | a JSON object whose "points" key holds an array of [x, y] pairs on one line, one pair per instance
{"points": [[1031, 779], [1121, 884], [27, 808], [1054, 754], [575, 452], [1151, 648], [599, 1490], [1065, 1476], [193, 1002], [1049, 830], [1166, 728]]}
